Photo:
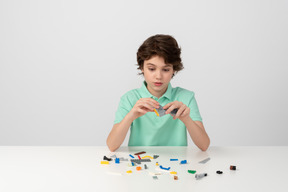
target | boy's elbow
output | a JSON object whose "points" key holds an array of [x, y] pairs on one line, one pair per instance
{"points": [[206, 146], [111, 148]]}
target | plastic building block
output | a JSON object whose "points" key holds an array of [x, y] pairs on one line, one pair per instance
{"points": [[131, 156], [192, 171], [173, 159], [232, 167], [164, 168], [138, 168], [205, 160], [105, 162], [201, 175], [107, 159], [138, 161], [157, 164], [117, 160], [122, 159], [161, 112], [113, 156], [155, 156], [145, 166], [129, 171], [219, 172], [175, 177], [147, 156], [183, 162], [139, 157], [173, 173], [155, 177], [139, 153]]}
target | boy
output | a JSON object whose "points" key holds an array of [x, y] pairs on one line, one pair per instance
{"points": [[158, 59]]}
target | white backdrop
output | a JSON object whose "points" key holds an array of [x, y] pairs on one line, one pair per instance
{"points": [[65, 64]]}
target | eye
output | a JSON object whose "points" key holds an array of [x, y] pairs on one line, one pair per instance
{"points": [[151, 69], [166, 70]]}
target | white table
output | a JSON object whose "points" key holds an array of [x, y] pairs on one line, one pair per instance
{"points": [[70, 169]]}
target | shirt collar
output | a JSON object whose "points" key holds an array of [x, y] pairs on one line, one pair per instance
{"points": [[145, 93]]}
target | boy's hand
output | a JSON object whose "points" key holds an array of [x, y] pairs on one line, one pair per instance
{"points": [[183, 111], [142, 106]]}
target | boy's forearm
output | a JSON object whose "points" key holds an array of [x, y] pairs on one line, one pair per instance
{"points": [[119, 132], [197, 134]]}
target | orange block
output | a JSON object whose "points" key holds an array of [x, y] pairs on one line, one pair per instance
{"points": [[138, 168]]}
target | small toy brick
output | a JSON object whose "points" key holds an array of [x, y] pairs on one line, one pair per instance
{"points": [[139, 153], [175, 177], [155, 177], [117, 160], [219, 172], [138, 168], [147, 156], [157, 164], [138, 161], [192, 171], [155, 156], [122, 159], [232, 167], [173, 173], [131, 156], [113, 156], [105, 162], [145, 166], [161, 111], [173, 159], [107, 159], [201, 175], [164, 168], [183, 162], [129, 171], [205, 160], [139, 157]]}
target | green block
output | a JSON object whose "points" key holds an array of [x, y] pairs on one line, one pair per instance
{"points": [[191, 171]]}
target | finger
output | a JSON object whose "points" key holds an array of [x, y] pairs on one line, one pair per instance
{"points": [[180, 112], [152, 102], [168, 105], [171, 108]]}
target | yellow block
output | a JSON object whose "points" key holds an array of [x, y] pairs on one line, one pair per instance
{"points": [[129, 171], [156, 112], [105, 162], [173, 172], [147, 156]]}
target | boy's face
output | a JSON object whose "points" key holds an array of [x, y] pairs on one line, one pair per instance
{"points": [[157, 74]]}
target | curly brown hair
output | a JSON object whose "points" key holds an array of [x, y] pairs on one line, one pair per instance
{"points": [[162, 45]]}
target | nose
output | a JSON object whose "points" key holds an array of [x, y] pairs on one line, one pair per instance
{"points": [[158, 74]]}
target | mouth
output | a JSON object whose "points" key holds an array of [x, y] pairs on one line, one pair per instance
{"points": [[158, 84]]}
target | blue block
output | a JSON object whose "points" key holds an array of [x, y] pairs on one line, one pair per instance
{"points": [[183, 162], [131, 156], [117, 160]]}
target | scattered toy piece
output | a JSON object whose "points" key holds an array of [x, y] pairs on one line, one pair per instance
{"points": [[175, 177], [138, 168], [173, 159], [232, 167], [183, 162], [161, 112], [122, 159], [131, 156], [139, 153], [117, 160], [139, 157], [138, 161], [154, 177], [145, 166], [173, 173], [129, 171], [113, 156], [164, 168], [205, 160], [107, 159], [155, 156], [192, 171], [157, 164], [105, 162], [219, 172], [201, 175], [147, 156]]}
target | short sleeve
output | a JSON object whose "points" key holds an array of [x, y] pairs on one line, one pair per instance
{"points": [[123, 108], [194, 110]]}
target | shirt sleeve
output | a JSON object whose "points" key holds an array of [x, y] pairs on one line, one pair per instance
{"points": [[123, 108], [194, 110]]}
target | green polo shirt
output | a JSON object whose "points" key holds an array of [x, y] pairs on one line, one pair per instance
{"points": [[151, 130]]}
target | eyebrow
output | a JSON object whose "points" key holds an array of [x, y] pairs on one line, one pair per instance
{"points": [[166, 65]]}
